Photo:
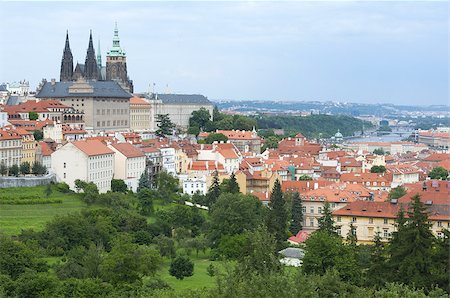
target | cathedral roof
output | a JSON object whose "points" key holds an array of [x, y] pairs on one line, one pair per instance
{"points": [[186, 99], [109, 89]]}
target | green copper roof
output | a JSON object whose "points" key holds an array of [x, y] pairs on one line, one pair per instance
{"points": [[116, 50]]}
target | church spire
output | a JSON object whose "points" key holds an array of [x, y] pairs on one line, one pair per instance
{"points": [[66, 62], [90, 65], [99, 55]]}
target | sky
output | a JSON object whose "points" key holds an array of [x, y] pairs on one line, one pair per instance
{"points": [[366, 51]]}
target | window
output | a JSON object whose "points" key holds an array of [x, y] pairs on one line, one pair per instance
{"points": [[354, 219], [304, 209], [311, 222], [338, 231], [319, 210], [338, 219], [371, 220], [385, 233], [386, 221], [439, 234], [64, 175], [353, 231], [311, 209], [439, 223], [64, 165]]}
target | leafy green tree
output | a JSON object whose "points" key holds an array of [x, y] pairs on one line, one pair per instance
{"points": [[167, 187], [200, 118], [441, 262], [144, 182], [211, 270], [166, 246], [296, 214], [271, 142], [378, 169], [128, 262], [351, 236], [243, 123], [397, 192], [412, 261], [231, 246], [326, 222], [225, 123], [38, 135], [118, 185], [36, 284], [3, 169], [165, 125], [145, 201], [378, 151], [215, 137], [25, 168], [214, 190], [277, 220], [14, 170], [33, 115], [305, 178], [438, 173], [181, 267], [17, 258], [217, 115], [193, 130], [233, 214], [38, 168], [48, 190]]}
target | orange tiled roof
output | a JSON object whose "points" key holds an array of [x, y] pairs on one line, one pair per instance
{"points": [[92, 147], [138, 101], [128, 150]]}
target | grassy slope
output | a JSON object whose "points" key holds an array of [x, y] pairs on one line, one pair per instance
{"points": [[14, 218]]}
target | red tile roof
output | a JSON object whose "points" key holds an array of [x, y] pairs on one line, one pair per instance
{"points": [[128, 150], [92, 147]]}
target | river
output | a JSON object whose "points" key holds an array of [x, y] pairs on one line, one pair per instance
{"points": [[375, 138]]}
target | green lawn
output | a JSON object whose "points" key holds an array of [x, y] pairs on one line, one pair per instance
{"points": [[14, 218]]}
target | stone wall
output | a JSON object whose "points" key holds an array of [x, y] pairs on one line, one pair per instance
{"points": [[6, 182]]}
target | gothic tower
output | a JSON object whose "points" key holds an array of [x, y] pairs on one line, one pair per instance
{"points": [[66, 62], [116, 63], [90, 65]]}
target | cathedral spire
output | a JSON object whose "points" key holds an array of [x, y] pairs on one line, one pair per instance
{"points": [[99, 55], [66, 62], [90, 65]]}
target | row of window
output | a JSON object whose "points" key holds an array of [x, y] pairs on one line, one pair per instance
{"points": [[100, 164], [114, 123], [100, 175], [113, 111], [13, 143]]}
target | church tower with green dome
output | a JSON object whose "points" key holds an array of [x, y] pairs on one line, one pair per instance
{"points": [[116, 63]]}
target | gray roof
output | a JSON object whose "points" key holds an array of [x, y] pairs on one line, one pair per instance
{"points": [[101, 89], [182, 99], [292, 252], [13, 100], [3, 87]]}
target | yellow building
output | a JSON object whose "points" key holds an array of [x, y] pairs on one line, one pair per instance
{"points": [[28, 145]]}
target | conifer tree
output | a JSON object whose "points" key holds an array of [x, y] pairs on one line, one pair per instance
{"points": [[412, 259], [233, 186], [296, 214], [326, 222], [144, 182], [376, 272], [277, 221], [214, 190]]}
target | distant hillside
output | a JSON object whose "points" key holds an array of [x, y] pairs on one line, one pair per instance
{"points": [[313, 125]]}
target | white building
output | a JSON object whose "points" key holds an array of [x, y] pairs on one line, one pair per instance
{"points": [[129, 164], [87, 160], [3, 119], [168, 160], [192, 185], [18, 88]]}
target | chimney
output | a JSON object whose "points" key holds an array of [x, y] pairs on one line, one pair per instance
{"points": [[53, 81], [424, 186]]}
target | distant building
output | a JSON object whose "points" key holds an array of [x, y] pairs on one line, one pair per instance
{"points": [[10, 148], [142, 115], [102, 105], [180, 106]]}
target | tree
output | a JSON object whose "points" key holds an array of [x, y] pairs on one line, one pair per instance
{"points": [[438, 173], [305, 178], [3, 169], [38, 135], [397, 192], [14, 170], [38, 168], [48, 190], [441, 262], [233, 214], [214, 190], [230, 185], [215, 137], [378, 151], [200, 118], [166, 246], [33, 116], [128, 262], [145, 199], [412, 259], [326, 222], [351, 236], [144, 182], [270, 142], [378, 169], [181, 267], [165, 125], [296, 214], [25, 168], [118, 185], [377, 269], [167, 187], [277, 220]]}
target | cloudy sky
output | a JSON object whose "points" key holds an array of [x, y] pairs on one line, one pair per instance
{"points": [[385, 51]]}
